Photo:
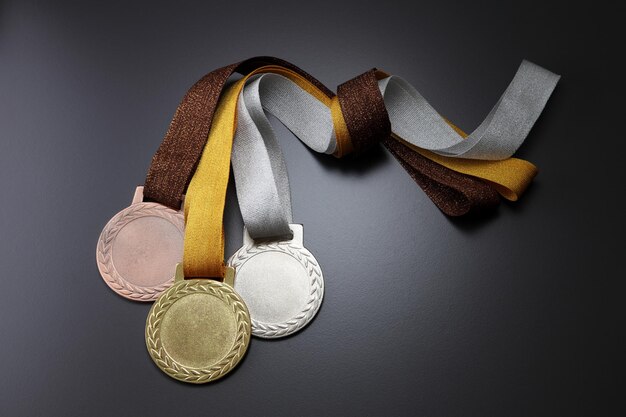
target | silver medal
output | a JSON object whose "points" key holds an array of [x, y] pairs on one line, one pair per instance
{"points": [[280, 281]]}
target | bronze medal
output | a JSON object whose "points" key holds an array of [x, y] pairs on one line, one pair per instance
{"points": [[139, 248]]}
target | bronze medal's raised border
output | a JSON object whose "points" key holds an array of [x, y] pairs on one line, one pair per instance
{"points": [[105, 248], [210, 372]]}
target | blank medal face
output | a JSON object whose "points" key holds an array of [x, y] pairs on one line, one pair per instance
{"points": [[198, 330], [276, 286], [139, 248], [281, 283]]}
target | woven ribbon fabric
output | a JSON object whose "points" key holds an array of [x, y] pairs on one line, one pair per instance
{"points": [[203, 255], [177, 157], [421, 140], [371, 108]]}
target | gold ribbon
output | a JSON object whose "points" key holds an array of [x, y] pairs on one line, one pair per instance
{"points": [[206, 194]]}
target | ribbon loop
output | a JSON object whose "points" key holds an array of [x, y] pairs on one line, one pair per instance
{"points": [[364, 111]]}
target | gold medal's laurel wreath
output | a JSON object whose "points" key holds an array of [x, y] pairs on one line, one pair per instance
{"points": [[105, 249], [316, 285], [196, 375]]}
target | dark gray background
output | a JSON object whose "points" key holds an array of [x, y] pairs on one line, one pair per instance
{"points": [[510, 314]]}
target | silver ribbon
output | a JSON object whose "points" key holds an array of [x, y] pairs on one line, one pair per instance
{"points": [[259, 167], [260, 171]]}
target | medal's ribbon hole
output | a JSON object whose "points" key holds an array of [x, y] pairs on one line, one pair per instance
{"points": [[229, 275]]}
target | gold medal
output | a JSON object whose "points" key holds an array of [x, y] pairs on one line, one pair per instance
{"points": [[198, 330]]}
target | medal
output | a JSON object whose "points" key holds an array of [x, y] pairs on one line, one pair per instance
{"points": [[198, 330], [278, 278], [139, 248], [281, 283]]}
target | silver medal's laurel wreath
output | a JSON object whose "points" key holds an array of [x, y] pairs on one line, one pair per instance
{"points": [[316, 285], [105, 249], [228, 362]]}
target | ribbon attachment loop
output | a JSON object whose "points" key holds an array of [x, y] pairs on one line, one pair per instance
{"points": [[229, 275]]}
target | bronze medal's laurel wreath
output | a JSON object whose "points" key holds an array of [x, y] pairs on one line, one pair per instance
{"points": [[316, 285], [105, 249], [228, 362]]}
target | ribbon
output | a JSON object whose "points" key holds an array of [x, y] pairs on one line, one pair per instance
{"points": [[260, 174], [261, 178], [203, 255], [177, 157], [366, 110], [175, 160]]}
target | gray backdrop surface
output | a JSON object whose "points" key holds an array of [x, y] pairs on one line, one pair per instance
{"points": [[515, 313]]}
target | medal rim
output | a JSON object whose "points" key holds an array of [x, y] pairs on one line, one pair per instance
{"points": [[211, 372], [316, 285], [104, 249]]}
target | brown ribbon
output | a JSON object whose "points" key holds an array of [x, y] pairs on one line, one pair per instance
{"points": [[176, 159], [366, 119], [454, 193], [364, 111]]}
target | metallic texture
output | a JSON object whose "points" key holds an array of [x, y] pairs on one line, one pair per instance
{"points": [[281, 283], [198, 330], [139, 248], [229, 274]]}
